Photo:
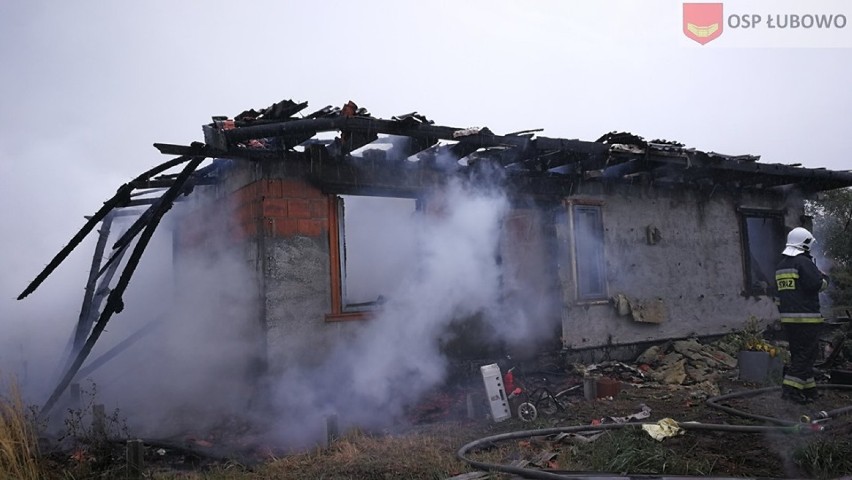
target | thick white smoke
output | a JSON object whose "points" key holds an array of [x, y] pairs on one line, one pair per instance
{"points": [[202, 362], [396, 357], [196, 366]]}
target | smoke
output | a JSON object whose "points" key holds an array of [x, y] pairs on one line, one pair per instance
{"points": [[397, 356], [197, 364], [195, 356], [200, 361]]}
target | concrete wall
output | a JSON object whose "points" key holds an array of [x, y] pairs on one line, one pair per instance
{"points": [[693, 275], [694, 272], [284, 220]]}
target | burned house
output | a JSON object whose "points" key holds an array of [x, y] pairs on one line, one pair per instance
{"points": [[602, 245]]}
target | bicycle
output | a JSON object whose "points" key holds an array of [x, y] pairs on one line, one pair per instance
{"points": [[539, 399]]}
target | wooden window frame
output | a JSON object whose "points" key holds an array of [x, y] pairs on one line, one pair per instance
{"points": [[570, 205], [337, 313]]}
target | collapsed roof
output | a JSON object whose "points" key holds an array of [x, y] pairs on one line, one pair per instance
{"points": [[413, 149], [411, 142]]}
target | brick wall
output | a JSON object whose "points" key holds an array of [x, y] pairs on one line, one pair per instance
{"points": [[281, 208], [276, 207]]}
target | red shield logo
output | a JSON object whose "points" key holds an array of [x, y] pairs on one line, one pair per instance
{"points": [[702, 22]]}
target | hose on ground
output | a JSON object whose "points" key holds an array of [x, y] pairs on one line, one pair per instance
{"points": [[714, 402], [543, 474]]}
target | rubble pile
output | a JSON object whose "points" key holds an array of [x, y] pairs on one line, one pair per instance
{"points": [[685, 362]]}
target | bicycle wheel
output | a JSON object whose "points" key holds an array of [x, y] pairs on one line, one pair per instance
{"points": [[527, 412]]}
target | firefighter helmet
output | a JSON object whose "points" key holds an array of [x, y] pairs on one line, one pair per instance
{"points": [[799, 240]]}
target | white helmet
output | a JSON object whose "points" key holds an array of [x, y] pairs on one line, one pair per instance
{"points": [[799, 240]]}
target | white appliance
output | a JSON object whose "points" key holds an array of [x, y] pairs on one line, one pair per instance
{"points": [[496, 392]]}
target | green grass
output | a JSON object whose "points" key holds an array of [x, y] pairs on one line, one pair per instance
{"points": [[825, 458], [632, 451]]}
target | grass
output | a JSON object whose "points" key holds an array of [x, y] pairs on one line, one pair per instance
{"points": [[632, 451], [358, 455], [825, 458], [363, 456], [429, 453], [18, 444]]}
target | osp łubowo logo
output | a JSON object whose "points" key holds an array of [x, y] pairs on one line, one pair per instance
{"points": [[702, 22]]}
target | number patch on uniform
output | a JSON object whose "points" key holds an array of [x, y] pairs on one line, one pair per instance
{"points": [[786, 284]]}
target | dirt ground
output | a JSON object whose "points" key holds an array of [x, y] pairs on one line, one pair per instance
{"points": [[424, 444], [725, 453]]}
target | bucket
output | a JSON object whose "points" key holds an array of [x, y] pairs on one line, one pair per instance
{"points": [[758, 367], [590, 388]]}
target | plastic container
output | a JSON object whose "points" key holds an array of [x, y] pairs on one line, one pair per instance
{"points": [[759, 367]]}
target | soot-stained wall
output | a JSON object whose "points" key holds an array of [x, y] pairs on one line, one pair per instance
{"points": [[676, 253]]}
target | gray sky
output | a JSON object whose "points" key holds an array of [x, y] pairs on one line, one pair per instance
{"points": [[88, 86]]}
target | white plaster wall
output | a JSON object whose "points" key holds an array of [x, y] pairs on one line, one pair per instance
{"points": [[696, 268]]}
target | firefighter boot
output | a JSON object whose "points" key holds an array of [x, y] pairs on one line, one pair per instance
{"points": [[794, 395], [812, 394]]}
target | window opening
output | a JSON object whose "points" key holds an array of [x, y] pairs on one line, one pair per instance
{"points": [[589, 252], [377, 248], [763, 240]]}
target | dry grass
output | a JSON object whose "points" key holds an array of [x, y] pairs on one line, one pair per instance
{"points": [[18, 444], [359, 455], [363, 456]]}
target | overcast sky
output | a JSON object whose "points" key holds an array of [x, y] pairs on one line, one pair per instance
{"points": [[89, 86]]}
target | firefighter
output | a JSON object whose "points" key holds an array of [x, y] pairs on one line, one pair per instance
{"points": [[799, 281]]}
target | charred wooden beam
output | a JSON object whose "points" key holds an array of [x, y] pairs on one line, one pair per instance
{"points": [[618, 170], [115, 303], [84, 322], [118, 348], [140, 223], [501, 155], [371, 126], [167, 182], [195, 149], [704, 161], [121, 198]]}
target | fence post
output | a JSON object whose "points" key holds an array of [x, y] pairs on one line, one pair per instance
{"points": [[99, 422], [331, 429], [135, 459]]}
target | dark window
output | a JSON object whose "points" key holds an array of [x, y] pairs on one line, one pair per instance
{"points": [[589, 252], [763, 241]]}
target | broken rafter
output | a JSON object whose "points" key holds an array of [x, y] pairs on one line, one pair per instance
{"points": [[115, 303], [121, 198], [704, 161], [167, 182], [84, 323], [370, 125], [118, 348]]}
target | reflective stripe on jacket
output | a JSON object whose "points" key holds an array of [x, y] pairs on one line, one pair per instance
{"points": [[798, 282]]}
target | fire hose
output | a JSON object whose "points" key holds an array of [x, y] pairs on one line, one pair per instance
{"points": [[796, 428], [807, 424]]}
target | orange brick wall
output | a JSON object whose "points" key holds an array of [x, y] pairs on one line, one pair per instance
{"points": [[282, 208]]}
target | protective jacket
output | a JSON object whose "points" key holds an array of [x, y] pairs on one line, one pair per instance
{"points": [[799, 281]]}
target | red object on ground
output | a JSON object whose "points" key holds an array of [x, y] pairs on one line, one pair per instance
{"points": [[509, 381]]}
